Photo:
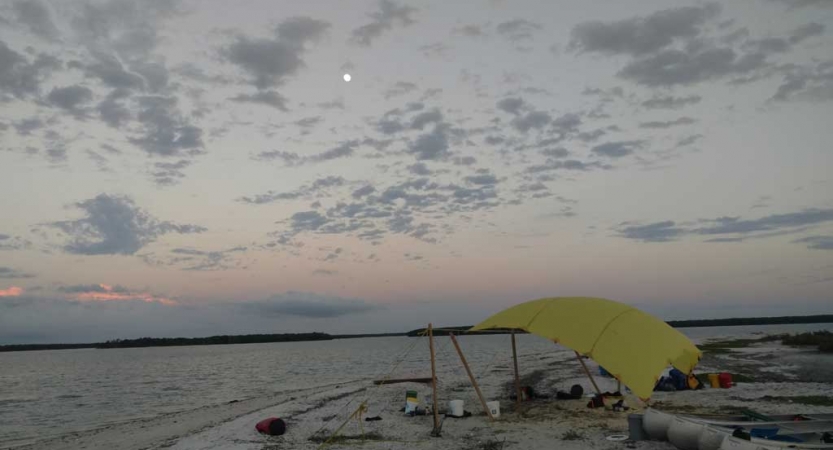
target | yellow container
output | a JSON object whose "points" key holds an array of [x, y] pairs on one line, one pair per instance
{"points": [[714, 381]]}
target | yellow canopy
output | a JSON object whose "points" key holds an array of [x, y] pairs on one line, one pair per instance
{"points": [[635, 347]]}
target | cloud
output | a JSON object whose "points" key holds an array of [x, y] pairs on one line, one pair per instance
{"points": [[382, 21], [729, 225], [470, 31], [531, 120], [168, 174], [807, 83], [21, 78], [431, 146], [807, 31], [670, 102], [268, 98], [511, 105], [677, 67], [734, 229], [817, 242], [400, 88], [112, 111], [325, 272], [655, 232], [269, 62], [165, 131], [688, 140], [107, 293], [114, 225], [130, 29], [300, 30], [517, 29], [110, 70], [8, 242], [70, 97], [569, 164], [37, 17], [307, 191], [617, 149], [13, 291], [668, 123], [420, 120], [201, 260], [8, 272], [639, 36]]}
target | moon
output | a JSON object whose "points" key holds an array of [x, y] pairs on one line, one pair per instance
{"points": [[347, 77]]}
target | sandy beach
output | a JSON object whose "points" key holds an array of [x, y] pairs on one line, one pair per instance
{"points": [[783, 379]]}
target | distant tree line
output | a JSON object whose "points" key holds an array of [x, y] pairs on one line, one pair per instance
{"points": [[783, 320], [443, 331], [215, 340]]}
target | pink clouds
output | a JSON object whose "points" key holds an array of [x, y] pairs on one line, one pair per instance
{"points": [[106, 293], [13, 291]]}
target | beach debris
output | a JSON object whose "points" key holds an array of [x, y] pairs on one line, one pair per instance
{"points": [[272, 426], [424, 380]]}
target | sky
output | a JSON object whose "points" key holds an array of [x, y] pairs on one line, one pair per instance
{"points": [[187, 168]]}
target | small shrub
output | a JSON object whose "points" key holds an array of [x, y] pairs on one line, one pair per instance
{"points": [[572, 435]]}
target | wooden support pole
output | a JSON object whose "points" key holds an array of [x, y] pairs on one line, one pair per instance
{"points": [[436, 429], [583, 366], [517, 377], [471, 376]]}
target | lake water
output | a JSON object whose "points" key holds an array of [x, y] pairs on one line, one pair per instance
{"points": [[61, 391]]}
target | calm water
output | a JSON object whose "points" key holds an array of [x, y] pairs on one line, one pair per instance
{"points": [[80, 389]]}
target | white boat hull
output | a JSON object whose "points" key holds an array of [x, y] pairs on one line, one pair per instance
{"points": [[685, 434], [656, 424]]}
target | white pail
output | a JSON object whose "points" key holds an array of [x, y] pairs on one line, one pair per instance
{"points": [[455, 408], [494, 408]]}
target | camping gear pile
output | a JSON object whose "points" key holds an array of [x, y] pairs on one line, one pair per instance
{"points": [[678, 381]]}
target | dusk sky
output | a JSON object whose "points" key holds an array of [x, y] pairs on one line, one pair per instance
{"points": [[191, 168]]}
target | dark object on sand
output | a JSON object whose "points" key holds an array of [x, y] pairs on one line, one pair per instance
{"points": [[465, 414], [403, 380], [576, 392], [372, 419], [272, 426]]}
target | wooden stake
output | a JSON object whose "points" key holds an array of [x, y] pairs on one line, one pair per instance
{"points": [[517, 377], [588, 373], [433, 380], [471, 377]]}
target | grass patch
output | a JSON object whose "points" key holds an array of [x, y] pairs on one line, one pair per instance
{"points": [[814, 400], [822, 339], [572, 435], [341, 438], [726, 346]]}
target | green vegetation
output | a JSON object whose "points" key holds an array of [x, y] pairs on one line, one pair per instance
{"points": [[814, 400], [572, 435], [726, 346], [822, 339]]}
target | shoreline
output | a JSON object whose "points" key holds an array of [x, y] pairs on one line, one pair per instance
{"points": [[781, 379]]}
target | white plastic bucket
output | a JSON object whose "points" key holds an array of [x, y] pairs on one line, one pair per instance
{"points": [[494, 408], [455, 408]]}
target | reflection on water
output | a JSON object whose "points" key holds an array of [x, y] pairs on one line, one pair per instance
{"points": [[87, 388]]}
